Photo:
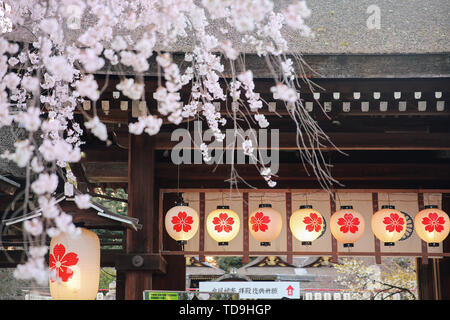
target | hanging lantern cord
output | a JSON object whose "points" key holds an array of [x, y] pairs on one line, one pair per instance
{"points": [[180, 194]]}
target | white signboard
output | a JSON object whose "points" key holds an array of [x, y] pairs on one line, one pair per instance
{"points": [[254, 289]]}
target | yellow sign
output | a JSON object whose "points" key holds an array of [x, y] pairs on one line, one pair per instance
{"points": [[155, 295]]}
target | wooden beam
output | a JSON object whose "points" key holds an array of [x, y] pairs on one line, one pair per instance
{"points": [[345, 141], [290, 171], [444, 264], [11, 258], [154, 263], [118, 172]]}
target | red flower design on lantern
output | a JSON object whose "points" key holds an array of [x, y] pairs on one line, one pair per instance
{"points": [[433, 222], [223, 222], [259, 222], [62, 262], [348, 223], [313, 222], [182, 222], [394, 222]]}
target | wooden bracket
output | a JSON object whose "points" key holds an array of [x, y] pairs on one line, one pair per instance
{"points": [[141, 262]]}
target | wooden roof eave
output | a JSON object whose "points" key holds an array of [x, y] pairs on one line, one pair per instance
{"points": [[95, 217]]}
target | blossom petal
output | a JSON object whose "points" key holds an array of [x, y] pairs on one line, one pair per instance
{"points": [[182, 215], [307, 220], [265, 219], [177, 227], [189, 220], [186, 227], [433, 215], [175, 220], [59, 250], [230, 221], [441, 220], [69, 259], [259, 215], [390, 227], [263, 227]]}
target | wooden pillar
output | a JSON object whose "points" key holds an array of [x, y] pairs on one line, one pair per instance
{"points": [[334, 244], [245, 203], [141, 167], [433, 279], [375, 239], [444, 264], [288, 196]]}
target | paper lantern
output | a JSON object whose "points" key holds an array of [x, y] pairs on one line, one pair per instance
{"points": [[388, 225], [181, 222], [75, 261], [265, 224], [223, 225], [432, 225], [306, 224], [347, 225]]}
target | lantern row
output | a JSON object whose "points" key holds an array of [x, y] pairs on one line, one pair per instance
{"points": [[307, 224], [74, 262]]}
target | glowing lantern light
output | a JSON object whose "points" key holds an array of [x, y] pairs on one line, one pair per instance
{"points": [[306, 224], [347, 225], [223, 225], [432, 225], [388, 225], [75, 263], [181, 222], [265, 224]]}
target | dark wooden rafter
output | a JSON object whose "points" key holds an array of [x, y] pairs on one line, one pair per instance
{"points": [[418, 96]]}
